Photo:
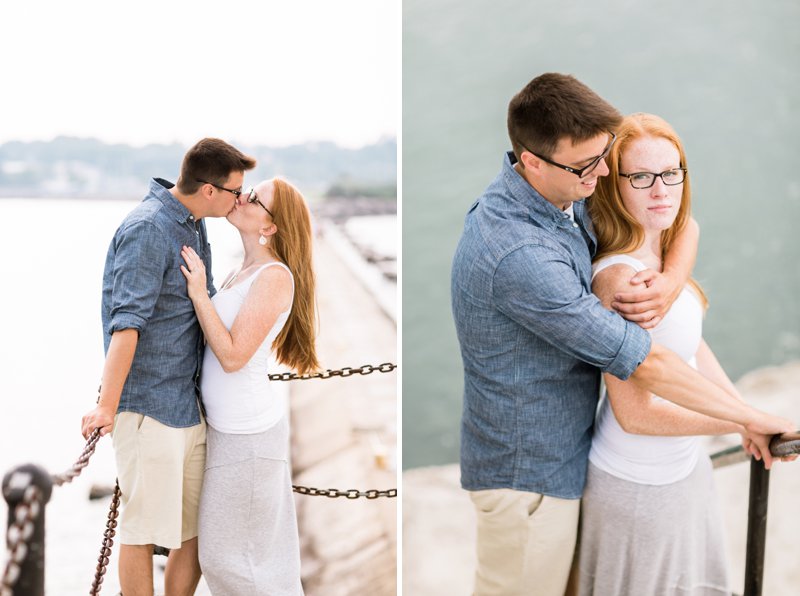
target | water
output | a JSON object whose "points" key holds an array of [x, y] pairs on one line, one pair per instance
{"points": [[725, 78], [51, 350]]}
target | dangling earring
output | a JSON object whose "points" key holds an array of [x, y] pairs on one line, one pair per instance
{"points": [[262, 240]]}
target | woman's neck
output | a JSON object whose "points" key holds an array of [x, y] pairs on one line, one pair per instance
{"points": [[649, 252], [255, 253]]}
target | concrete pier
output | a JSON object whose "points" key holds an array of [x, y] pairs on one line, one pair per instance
{"points": [[344, 436]]}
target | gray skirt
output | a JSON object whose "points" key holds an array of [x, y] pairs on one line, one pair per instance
{"points": [[643, 539], [247, 524]]}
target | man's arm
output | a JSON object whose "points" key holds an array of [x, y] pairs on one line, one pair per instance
{"points": [[649, 305], [115, 371], [665, 374], [139, 263], [639, 412]]}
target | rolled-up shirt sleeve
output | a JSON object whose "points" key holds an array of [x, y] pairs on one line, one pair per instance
{"points": [[537, 287], [140, 262]]}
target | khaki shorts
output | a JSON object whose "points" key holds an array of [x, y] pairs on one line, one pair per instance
{"points": [[526, 542], [160, 473]]}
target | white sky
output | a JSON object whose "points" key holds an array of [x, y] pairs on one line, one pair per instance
{"points": [[271, 72]]}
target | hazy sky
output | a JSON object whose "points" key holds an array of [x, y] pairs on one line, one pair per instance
{"points": [[274, 72]]}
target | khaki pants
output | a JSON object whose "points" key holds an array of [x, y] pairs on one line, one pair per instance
{"points": [[526, 542]]}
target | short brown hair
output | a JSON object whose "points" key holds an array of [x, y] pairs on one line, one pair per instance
{"points": [[212, 160], [554, 106]]}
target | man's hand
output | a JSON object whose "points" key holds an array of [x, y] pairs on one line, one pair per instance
{"points": [[647, 306], [101, 418]]}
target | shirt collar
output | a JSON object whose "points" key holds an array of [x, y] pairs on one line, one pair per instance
{"points": [[159, 188], [540, 208]]}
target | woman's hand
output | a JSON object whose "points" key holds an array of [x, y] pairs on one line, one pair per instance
{"points": [[195, 273]]}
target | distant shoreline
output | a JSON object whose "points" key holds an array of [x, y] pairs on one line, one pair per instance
{"points": [[72, 198]]}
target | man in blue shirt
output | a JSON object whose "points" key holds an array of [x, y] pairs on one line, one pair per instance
{"points": [[154, 348], [534, 338]]}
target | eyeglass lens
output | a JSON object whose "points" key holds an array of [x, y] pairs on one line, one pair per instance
{"points": [[647, 179]]}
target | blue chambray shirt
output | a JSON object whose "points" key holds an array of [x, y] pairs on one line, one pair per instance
{"points": [[533, 340], [144, 289]]}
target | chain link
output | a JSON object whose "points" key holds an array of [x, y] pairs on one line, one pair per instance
{"points": [[19, 535], [75, 470], [346, 371], [20, 532], [352, 493], [108, 542]]}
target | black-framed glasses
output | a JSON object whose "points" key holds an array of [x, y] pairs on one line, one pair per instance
{"points": [[579, 172], [235, 193], [647, 179], [252, 197]]}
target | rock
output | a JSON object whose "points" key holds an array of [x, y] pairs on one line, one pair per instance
{"points": [[100, 491]]}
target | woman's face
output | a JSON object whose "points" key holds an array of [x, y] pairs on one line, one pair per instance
{"points": [[253, 216], [655, 208]]}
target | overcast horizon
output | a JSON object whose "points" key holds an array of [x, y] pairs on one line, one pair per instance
{"points": [[233, 141], [275, 74]]}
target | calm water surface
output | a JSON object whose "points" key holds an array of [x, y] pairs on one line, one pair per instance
{"points": [[51, 354], [725, 77]]}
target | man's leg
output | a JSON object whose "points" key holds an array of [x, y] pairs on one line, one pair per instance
{"points": [[183, 570], [136, 569], [150, 463], [183, 567], [526, 542]]}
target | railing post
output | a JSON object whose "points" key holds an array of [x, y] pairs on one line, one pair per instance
{"points": [[31, 578], [756, 528]]}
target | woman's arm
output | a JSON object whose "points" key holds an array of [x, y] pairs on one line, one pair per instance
{"points": [[710, 368], [270, 294], [635, 408], [640, 412]]}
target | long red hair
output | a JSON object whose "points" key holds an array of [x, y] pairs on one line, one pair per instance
{"points": [[295, 345]]}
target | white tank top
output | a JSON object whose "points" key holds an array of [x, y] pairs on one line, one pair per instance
{"points": [[643, 458], [242, 402]]}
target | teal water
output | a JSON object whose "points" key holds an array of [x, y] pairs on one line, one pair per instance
{"points": [[724, 74]]}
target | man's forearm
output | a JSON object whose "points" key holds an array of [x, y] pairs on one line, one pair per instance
{"points": [[665, 374], [117, 366]]}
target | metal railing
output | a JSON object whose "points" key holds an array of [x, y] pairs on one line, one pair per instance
{"points": [[780, 446]]}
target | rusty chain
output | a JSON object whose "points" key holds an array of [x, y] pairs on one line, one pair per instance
{"points": [[346, 371], [352, 493], [108, 542], [343, 372], [75, 470], [19, 535], [21, 530]]}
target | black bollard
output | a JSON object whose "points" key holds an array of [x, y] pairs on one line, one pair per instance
{"points": [[756, 529], [31, 579]]}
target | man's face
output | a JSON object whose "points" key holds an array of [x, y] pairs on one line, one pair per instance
{"points": [[561, 187], [224, 200]]}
